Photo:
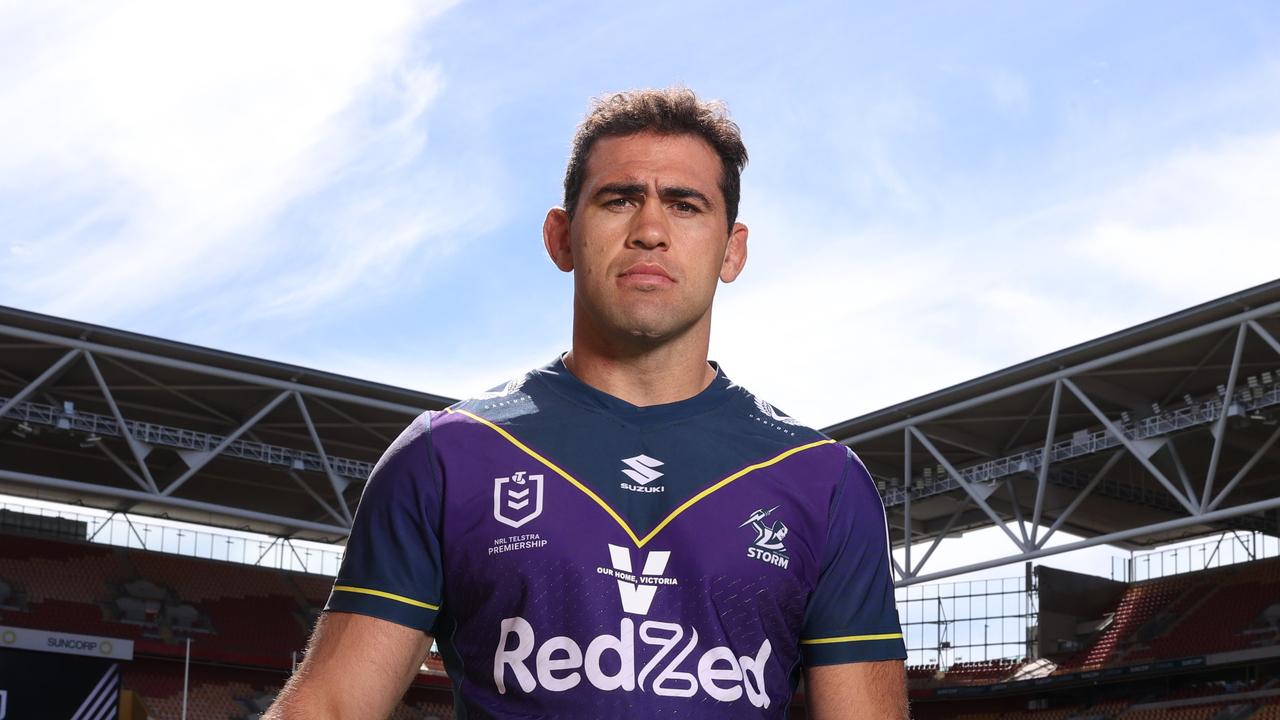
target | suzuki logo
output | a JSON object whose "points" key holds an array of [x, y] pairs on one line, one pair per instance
{"points": [[637, 592], [517, 499], [641, 469]]}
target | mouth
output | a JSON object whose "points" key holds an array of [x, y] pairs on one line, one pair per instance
{"points": [[648, 273]]}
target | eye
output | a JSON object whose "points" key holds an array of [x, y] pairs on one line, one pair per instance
{"points": [[685, 208], [618, 202]]}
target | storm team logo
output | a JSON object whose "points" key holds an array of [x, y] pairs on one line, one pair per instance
{"points": [[517, 499], [768, 546]]}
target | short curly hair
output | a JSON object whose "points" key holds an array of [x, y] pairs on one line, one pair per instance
{"points": [[668, 111]]}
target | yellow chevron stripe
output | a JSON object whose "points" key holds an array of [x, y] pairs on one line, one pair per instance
{"points": [[639, 542], [750, 468], [851, 638], [387, 595]]}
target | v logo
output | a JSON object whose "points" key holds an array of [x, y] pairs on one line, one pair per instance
{"points": [[636, 598]]}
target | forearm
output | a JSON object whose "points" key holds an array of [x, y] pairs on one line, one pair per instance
{"points": [[355, 669], [861, 691]]}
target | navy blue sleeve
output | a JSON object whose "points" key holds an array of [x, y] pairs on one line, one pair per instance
{"points": [[392, 567], [851, 615]]}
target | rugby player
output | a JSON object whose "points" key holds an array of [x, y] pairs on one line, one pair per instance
{"points": [[623, 532]]}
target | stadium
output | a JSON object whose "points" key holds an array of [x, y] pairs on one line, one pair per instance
{"points": [[175, 517]]}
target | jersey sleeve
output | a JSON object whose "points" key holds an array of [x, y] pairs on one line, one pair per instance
{"points": [[392, 567], [852, 616]]}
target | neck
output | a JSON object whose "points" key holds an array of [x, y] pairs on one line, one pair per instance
{"points": [[643, 375]]}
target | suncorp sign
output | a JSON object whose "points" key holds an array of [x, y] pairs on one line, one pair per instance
{"points": [[71, 644]]}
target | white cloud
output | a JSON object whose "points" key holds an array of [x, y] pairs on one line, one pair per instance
{"points": [[1200, 224], [149, 145], [831, 324]]}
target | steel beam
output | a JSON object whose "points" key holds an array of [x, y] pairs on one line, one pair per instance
{"points": [[334, 481], [1061, 374], [135, 447], [1017, 510], [149, 487], [172, 390], [951, 522], [955, 475], [1257, 456], [1209, 517], [260, 380], [906, 497], [367, 427], [319, 500], [1042, 479], [144, 497], [896, 567], [1133, 449], [1080, 497], [36, 384], [235, 434], [1266, 336], [1180, 469], [1016, 437], [193, 444], [1220, 427]]}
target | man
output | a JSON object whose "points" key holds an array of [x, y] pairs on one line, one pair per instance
{"points": [[623, 532]]}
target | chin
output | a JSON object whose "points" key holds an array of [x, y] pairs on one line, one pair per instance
{"points": [[654, 328]]}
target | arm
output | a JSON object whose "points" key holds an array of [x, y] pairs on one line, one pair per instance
{"points": [[376, 628], [863, 690], [356, 667], [852, 645]]}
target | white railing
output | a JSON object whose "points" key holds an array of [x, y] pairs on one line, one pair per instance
{"points": [[1229, 548], [129, 531]]}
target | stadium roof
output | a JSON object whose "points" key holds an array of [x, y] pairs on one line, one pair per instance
{"points": [[216, 437], [1135, 422]]}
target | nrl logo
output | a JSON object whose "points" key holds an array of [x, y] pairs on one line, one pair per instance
{"points": [[768, 546], [517, 499]]}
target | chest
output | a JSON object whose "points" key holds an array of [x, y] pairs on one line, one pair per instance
{"points": [[642, 531]]}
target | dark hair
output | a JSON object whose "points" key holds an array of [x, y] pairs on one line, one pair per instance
{"points": [[669, 111]]}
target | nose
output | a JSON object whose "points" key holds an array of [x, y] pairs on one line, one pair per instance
{"points": [[649, 229]]}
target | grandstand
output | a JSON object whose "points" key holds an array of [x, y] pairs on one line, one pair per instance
{"points": [[1163, 433]]}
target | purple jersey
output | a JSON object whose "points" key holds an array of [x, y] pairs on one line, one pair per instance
{"points": [[577, 556]]}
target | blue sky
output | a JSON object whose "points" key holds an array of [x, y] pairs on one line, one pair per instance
{"points": [[936, 190]]}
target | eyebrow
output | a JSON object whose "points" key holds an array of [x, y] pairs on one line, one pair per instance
{"points": [[671, 191], [621, 188], [685, 193]]}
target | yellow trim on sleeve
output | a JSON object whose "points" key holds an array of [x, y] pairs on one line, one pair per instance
{"points": [[851, 638], [387, 595], [639, 541]]}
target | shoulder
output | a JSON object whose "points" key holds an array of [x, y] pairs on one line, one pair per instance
{"points": [[763, 420], [497, 406], [766, 418]]}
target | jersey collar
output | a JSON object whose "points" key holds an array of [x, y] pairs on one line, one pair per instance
{"points": [[564, 383]]}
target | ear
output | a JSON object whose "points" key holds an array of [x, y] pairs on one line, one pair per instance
{"points": [[735, 254], [555, 235]]}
